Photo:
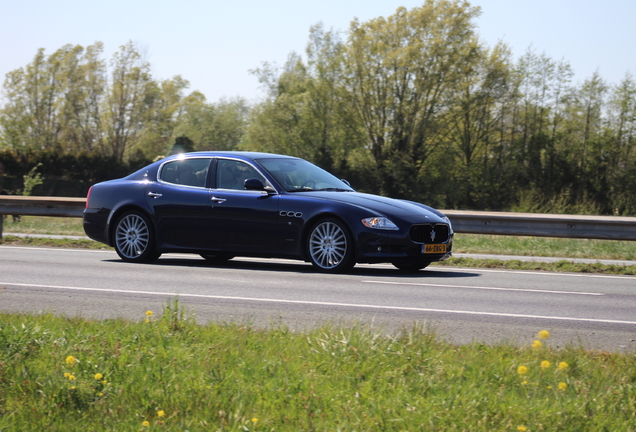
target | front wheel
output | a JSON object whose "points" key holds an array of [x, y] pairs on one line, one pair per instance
{"points": [[330, 246], [411, 266], [134, 239]]}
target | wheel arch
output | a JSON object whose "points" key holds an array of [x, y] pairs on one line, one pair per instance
{"points": [[116, 214], [309, 224]]}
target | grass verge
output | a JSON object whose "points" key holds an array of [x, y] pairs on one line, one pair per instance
{"points": [[165, 372], [559, 266], [44, 225], [49, 242]]}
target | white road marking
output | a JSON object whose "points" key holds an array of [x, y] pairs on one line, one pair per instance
{"points": [[483, 288], [331, 304], [537, 272]]}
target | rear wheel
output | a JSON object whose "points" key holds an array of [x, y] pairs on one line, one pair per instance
{"points": [[134, 239], [330, 246], [411, 266]]}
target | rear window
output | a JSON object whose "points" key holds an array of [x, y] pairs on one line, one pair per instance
{"points": [[187, 172]]}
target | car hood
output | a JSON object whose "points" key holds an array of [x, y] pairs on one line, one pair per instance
{"points": [[382, 206]]}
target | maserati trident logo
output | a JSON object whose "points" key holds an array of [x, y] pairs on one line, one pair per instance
{"points": [[433, 235]]}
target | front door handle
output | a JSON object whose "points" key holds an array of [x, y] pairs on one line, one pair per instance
{"points": [[154, 194], [218, 200]]}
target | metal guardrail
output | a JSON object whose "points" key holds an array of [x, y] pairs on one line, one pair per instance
{"points": [[474, 222], [543, 225]]}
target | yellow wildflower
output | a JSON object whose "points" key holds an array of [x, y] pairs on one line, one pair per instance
{"points": [[537, 344], [545, 364], [254, 420], [98, 376], [543, 334], [563, 386], [71, 360], [563, 366], [161, 413], [148, 313], [145, 423], [522, 370], [522, 429], [71, 377], [66, 374]]}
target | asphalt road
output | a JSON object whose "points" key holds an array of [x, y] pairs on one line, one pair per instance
{"points": [[462, 305]]}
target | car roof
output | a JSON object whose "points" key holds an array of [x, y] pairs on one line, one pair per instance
{"points": [[246, 155]]}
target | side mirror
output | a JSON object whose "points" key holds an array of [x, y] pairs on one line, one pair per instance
{"points": [[254, 184]]}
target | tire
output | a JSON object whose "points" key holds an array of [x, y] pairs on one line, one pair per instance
{"points": [[330, 246], [411, 266], [134, 238], [216, 257]]}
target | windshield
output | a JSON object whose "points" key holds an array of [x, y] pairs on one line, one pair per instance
{"points": [[298, 175]]}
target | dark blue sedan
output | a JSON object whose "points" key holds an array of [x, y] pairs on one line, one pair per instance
{"points": [[225, 204]]}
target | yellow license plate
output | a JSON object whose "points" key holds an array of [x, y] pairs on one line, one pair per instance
{"points": [[434, 248]]}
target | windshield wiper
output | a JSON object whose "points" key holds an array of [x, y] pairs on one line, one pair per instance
{"points": [[303, 189], [334, 190]]}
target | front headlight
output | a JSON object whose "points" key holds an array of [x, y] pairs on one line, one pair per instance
{"points": [[449, 223], [379, 223]]}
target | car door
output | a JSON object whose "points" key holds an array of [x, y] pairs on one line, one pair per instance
{"points": [[179, 201], [244, 221]]}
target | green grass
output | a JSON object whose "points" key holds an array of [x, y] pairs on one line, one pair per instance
{"points": [[46, 242], [176, 375], [542, 246], [44, 225]]}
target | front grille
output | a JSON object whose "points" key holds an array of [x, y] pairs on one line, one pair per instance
{"points": [[429, 233]]}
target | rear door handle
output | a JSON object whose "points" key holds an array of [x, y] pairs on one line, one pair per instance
{"points": [[154, 194], [218, 200]]}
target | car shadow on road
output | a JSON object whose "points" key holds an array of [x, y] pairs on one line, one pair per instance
{"points": [[289, 266]]}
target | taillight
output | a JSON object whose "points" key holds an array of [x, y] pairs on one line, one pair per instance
{"points": [[88, 195]]}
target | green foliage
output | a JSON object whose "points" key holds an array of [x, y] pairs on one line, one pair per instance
{"points": [[62, 174], [75, 374], [215, 126], [416, 107], [412, 105], [74, 101], [31, 180]]}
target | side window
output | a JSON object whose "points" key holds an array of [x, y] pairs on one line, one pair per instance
{"points": [[231, 174], [189, 172]]}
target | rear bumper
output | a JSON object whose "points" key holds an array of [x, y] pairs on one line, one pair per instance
{"points": [[96, 225]]}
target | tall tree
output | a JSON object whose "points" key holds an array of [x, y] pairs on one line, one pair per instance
{"points": [[85, 87], [212, 126], [160, 116], [473, 120], [129, 97], [398, 71], [34, 94], [308, 113]]}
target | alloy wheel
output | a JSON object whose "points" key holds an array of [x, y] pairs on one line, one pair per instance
{"points": [[132, 237], [328, 246]]}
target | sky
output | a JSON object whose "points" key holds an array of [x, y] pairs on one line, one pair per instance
{"points": [[214, 44]]}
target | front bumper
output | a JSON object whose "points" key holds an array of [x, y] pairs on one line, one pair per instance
{"points": [[373, 248]]}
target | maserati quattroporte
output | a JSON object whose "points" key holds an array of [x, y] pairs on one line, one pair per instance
{"points": [[226, 204]]}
